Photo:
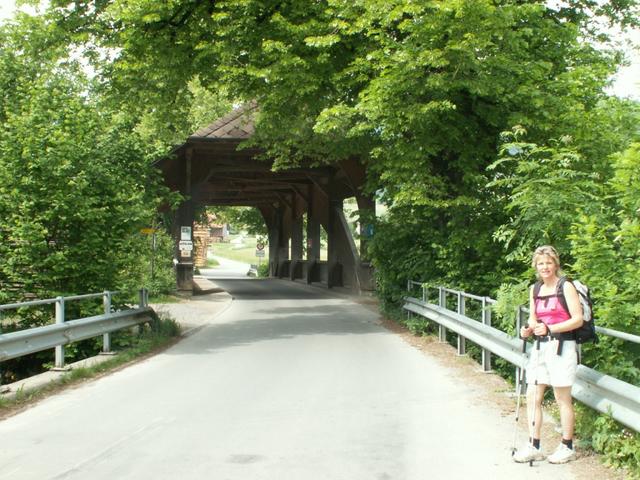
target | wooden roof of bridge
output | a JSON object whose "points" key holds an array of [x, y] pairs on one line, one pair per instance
{"points": [[237, 124], [223, 174]]}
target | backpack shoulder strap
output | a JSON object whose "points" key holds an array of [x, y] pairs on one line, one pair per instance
{"points": [[560, 293], [560, 285], [536, 289]]}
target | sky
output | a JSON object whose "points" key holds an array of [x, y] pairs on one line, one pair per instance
{"points": [[626, 82]]}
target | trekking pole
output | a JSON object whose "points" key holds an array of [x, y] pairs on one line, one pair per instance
{"points": [[519, 394]]}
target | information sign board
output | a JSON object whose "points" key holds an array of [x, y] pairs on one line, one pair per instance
{"points": [[185, 245]]}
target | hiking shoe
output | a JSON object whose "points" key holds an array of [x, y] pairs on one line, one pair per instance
{"points": [[527, 454], [563, 454]]}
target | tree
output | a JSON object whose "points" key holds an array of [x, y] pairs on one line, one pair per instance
{"points": [[75, 185]]}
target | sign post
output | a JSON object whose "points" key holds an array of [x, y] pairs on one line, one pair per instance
{"points": [[260, 252]]}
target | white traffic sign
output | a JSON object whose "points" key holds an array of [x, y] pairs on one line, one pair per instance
{"points": [[260, 246], [185, 245], [259, 253]]}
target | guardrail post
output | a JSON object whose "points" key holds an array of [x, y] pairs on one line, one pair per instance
{"points": [[486, 319], [106, 338], [143, 298], [408, 316], [462, 342], [143, 301], [59, 360], [442, 301], [425, 295]]}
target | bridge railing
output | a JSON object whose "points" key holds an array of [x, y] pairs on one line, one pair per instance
{"points": [[62, 332], [599, 391]]}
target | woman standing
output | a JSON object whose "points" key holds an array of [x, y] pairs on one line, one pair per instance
{"points": [[553, 360]]}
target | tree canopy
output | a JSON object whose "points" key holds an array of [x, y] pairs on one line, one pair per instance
{"points": [[75, 182]]}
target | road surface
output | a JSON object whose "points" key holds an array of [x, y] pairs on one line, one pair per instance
{"points": [[226, 269], [288, 382]]}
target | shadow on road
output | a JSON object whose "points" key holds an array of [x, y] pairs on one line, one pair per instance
{"points": [[270, 309], [269, 289]]}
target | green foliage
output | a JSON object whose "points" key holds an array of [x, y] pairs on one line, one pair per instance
{"points": [[75, 189], [510, 297], [71, 193], [418, 325], [162, 129], [619, 445], [248, 219], [545, 189], [263, 270], [147, 266], [432, 245]]}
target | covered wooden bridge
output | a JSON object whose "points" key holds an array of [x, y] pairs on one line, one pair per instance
{"points": [[210, 170]]}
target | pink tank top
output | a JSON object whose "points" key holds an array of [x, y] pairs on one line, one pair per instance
{"points": [[549, 310]]}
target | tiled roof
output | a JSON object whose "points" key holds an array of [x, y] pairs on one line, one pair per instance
{"points": [[238, 124]]}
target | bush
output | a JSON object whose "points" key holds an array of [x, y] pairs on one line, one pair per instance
{"points": [[263, 270]]}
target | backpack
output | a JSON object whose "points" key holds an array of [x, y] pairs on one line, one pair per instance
{"points": [[587, 332]]}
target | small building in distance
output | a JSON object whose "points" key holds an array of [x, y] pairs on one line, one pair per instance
{"points": [[205, 233], [218, 232]]}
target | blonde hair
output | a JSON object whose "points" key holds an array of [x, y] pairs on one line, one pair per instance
{"points": [[550, 252]]}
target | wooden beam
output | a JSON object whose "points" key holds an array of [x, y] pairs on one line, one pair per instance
{"points": [[284, 200]]}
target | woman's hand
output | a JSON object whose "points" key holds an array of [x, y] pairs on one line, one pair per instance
{"points": [[525, 331], [541, 329]]}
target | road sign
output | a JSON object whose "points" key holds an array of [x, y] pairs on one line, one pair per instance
{"points": [[185, 245], [260, 246], [259, 253], [185, 233], [148, 231]]}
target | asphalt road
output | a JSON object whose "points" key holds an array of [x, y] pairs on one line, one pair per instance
{"points": [[288, 382]]}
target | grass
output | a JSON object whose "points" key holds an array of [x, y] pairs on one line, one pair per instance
{"points": [[244, 252], [151, 341], [165, 298]]}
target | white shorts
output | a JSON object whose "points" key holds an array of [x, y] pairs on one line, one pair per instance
{"points": [[546, 367]]}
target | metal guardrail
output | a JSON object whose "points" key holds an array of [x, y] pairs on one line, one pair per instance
{"points": [[24, 342], [601, 392], [523, 311]]}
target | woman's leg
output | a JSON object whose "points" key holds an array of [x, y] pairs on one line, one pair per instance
{"points": [[567, 416], [532, 452], [535, 396], [565, 451]]}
